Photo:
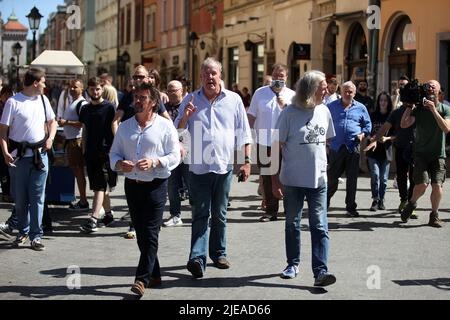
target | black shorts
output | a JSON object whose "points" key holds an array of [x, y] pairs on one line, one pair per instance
{"points": [[100, 174]]}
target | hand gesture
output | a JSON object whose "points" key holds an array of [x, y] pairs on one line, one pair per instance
{"points": [[190, 109]]}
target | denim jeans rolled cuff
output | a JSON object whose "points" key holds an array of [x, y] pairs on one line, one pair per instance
{"points": [[210, 199], [29, 194], [318, 222]]}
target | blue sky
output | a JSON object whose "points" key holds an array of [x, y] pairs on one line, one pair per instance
{"points": [[23, 8]]}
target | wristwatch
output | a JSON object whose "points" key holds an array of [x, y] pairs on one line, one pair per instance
{"points": [[154, 163]]}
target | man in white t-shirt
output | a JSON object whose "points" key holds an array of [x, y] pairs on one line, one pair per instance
{"points": [[69, 119], [27, 131], [265, 108]]}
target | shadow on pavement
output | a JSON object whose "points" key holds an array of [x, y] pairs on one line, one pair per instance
{"points": [[181, 280], [45, 292], [438, 283]]}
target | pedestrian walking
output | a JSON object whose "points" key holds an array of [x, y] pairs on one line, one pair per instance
{"points": [[302, 130], [146, 149], [217, 123]]}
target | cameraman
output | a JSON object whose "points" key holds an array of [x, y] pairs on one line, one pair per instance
{"points": [[432, 120]]}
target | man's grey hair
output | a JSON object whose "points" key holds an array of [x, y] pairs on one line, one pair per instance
{"points": [[211, 62], [306, 88], [349, 84]]}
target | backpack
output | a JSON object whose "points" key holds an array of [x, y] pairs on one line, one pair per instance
{"points": [[78, 107]]}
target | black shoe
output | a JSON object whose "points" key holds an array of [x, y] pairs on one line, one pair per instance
{"points": [[195, 267], [90, 226], [374, 205], [407, 212], [381, 205], [108, 218], [353, 213], [324, 279]]}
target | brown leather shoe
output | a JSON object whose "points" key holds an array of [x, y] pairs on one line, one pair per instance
{"points": [[222, 263], [155, 282], [138, 287]]}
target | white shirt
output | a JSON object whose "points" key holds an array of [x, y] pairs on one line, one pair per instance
{"points": [[64, 100], [70, 113], [330, 98], [158, 140], [265, 108], [26, 119], [304, 132], [215, 130]]}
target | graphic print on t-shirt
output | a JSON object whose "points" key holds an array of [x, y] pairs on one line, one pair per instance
{"points": [[315, 134]]}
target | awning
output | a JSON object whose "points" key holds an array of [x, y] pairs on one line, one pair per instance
{"points": [[59, 62], [340, 16]]}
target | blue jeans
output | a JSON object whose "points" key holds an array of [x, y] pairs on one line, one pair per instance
{"points": [[176, 178], [379, 175], [318, 225], [209, 194], [28, 191]]}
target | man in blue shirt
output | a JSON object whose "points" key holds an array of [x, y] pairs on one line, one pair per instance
{"points": [[217, 123], [352, 123]]}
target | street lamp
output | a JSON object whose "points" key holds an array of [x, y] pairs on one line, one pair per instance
{"points": [[193, 40], [34, 19], [17, 48]]}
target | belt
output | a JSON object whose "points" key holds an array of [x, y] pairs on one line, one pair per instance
{"points": [[138, 181]]}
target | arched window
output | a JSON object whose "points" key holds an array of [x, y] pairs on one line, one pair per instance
{"points": [[402, 50], [356, 59]]}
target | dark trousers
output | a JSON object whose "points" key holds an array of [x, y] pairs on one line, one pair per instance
{"points": [[272, 203], [4, 176], [339, 162], [146, 201], [405, 166]]}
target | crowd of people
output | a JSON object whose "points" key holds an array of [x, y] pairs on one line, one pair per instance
{"points": [[179, 144]]}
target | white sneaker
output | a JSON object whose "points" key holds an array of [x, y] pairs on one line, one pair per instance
{"points": [[173, 221], [341, 181]]}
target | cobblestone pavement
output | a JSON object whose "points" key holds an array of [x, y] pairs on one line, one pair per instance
{"points": [[374, 256]]}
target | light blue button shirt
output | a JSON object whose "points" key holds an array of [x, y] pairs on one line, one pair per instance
{"points": [[158, 140], [215, 129]]}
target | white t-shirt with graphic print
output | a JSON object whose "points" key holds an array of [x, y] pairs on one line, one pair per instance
{"points": [[304, 133]]}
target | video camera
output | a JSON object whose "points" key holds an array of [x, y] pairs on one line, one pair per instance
{"points": [[415, 93]]}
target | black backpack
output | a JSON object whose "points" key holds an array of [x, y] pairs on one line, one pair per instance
{"points": [[78, 107]]}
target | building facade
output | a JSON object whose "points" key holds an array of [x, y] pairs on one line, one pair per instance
{"points": [[13, 32]]}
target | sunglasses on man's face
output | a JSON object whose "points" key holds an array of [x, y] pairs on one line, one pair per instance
{"points": [[138, 77]]}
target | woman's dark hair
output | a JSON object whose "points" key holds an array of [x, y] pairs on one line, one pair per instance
{"points": [[154, 94], [389, 106], [7, 90], [155, 74]]}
